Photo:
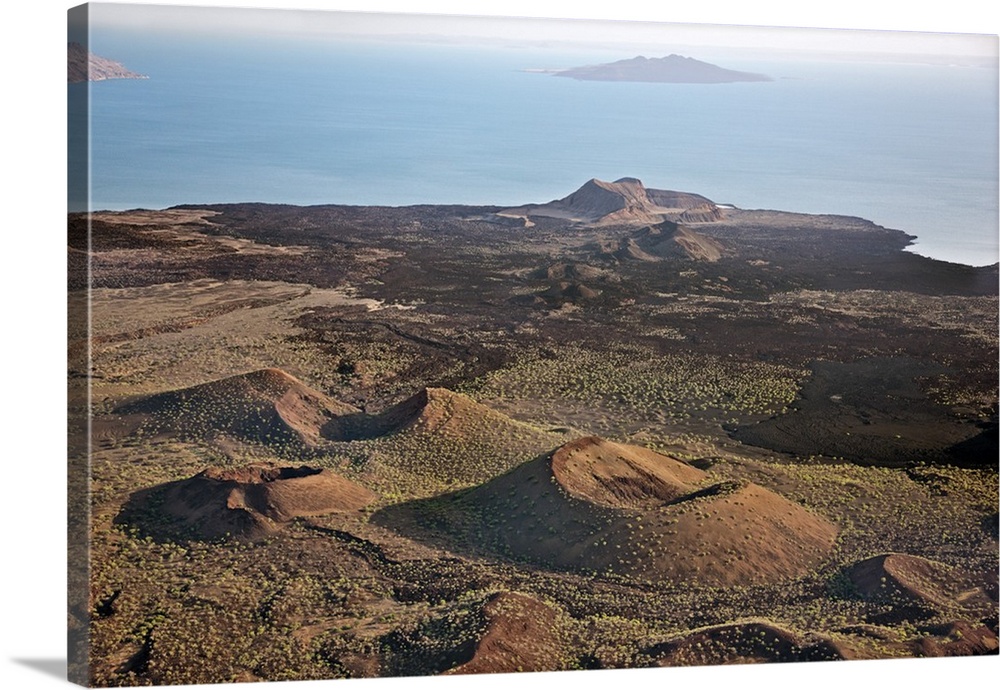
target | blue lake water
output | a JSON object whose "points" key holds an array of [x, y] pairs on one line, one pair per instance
{"points": [[908, 146]]}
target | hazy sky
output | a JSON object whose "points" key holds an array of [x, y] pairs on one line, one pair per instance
{"points": [[536, 32]]}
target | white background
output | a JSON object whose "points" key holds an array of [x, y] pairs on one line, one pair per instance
{"points": [[32, 332]]}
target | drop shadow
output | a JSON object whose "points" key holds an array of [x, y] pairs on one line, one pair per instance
{"points": [[48, 666]]}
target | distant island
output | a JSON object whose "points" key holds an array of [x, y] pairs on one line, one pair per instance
{"points": [[85, 66], [672, 69]]}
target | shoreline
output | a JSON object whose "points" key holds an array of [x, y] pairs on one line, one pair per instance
{"points": [[912, 248]]}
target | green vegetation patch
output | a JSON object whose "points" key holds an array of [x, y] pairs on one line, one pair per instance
{"points": [[632, 377]]}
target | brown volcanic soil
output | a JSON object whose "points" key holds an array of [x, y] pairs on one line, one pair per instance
{"points": [[436, 411], [958, 638], [439, 436], [519, 634], [596, 506], [668, 239], [698, 246], [619, 476], [249, 502], [490, 632], [266, 406], [914, 587]]}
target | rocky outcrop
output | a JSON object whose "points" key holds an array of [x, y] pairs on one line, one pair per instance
{"points": [[85, 66], [625, 201], [689, 208]]}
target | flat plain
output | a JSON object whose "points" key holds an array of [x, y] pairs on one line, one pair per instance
{"points": [[626, 428]]}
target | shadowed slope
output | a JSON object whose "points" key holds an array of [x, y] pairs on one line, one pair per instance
{"points": [[600, 202], [625, 249], [566, 291], [981, 450], [669, 239], [958, 638], [664, 240], [913, 587], [854, 410], [494, 632], [685, 207], [443, 437], [265, 406], [597, 506], [431, 411], [742, 643], [249, 502]]}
